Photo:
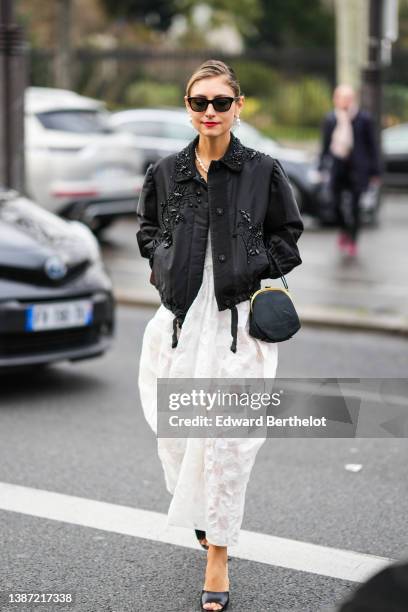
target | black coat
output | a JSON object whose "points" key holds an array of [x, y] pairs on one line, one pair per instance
{"points": [[252, 216], [364, 157]]}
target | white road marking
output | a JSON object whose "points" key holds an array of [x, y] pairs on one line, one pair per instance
{"points": [[259, 547]]}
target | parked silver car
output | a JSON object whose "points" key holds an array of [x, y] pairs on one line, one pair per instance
{"points": [[77, 165]]}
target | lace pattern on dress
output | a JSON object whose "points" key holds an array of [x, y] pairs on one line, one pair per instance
{"points": [[227, 467]]}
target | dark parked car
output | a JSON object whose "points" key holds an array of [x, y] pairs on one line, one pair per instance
{"points": [[56, 299]]}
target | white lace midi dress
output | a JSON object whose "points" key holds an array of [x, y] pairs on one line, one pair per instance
{"points": [[207, 477]]}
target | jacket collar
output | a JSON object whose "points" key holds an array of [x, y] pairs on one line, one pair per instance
{"points": [[233, 157]]}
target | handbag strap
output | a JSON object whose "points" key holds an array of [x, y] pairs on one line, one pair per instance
{"points": [[283, 279]]}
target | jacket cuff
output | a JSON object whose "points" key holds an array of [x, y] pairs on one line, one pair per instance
{"points": [[282, 257]]}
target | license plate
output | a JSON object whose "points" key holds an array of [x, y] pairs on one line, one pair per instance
{"points": [[58, 315]]}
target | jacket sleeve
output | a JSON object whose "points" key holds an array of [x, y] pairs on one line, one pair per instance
{"points": [[283, 225], [374, 157], [325, 142], [148, 234]]}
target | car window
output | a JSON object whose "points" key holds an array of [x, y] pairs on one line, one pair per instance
{"points": [[160, 129], [144, 128], [78, 121], [179, 131]]}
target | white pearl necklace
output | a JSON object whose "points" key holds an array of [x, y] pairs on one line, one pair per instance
{"points": [[200, 161]]}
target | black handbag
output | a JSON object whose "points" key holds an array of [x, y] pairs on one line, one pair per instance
{"points": [[273, 316]]}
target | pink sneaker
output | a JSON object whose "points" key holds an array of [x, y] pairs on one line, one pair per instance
{"points": [[343, 242], [352, 249]]}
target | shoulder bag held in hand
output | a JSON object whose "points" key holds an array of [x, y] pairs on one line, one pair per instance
{"points": [[273, 317]]}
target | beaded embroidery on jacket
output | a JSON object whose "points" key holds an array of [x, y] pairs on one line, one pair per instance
{"points": [[251, 234], [171, 209]]}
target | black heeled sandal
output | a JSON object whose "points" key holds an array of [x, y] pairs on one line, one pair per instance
{"points": [[219, 597], [200, 536]]}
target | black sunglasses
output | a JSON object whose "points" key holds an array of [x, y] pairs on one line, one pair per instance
{"points": [[221, 104]]}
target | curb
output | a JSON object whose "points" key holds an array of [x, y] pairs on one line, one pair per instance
{"points": [[353, 319], [317, 316]]}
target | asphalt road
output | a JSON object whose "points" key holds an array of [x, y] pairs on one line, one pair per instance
{"points": [[78, 429]]}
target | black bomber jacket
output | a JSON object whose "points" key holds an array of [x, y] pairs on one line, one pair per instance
{"points": [[252, 216]]}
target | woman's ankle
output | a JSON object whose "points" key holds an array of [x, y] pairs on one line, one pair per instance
{"points": [[217, 554], [217, 550]]}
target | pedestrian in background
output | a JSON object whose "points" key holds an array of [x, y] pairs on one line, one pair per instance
{"points": [[350, 156]]}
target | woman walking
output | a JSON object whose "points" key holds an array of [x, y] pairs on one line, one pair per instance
{"points": [[214, 219]]}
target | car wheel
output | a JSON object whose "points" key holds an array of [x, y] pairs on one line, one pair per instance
{"points": [[98, 226]]}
